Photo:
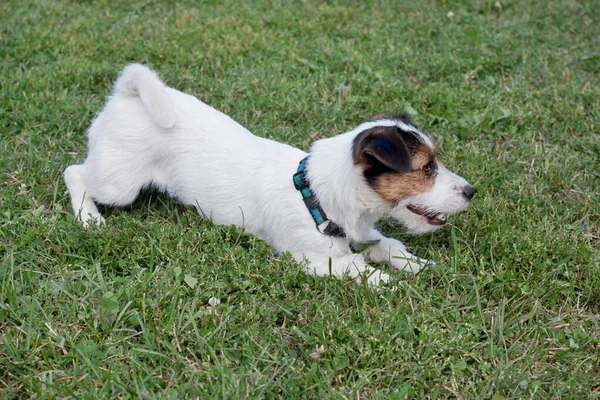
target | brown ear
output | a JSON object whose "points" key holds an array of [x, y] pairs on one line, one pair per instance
{"points": [[382, 149]]}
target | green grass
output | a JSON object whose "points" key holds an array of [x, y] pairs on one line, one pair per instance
{"points": [[510, 90]]}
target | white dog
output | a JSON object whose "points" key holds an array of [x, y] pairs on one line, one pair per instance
{"points": [[313, 205]]}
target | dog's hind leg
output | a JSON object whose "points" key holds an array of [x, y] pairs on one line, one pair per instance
{"points": [[83, 204], [114, 183], [353, 265]]}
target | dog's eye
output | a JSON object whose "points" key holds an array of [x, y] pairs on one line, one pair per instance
{"points": [[429, 168]]}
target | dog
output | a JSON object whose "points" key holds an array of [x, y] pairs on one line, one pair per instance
{"points": [[315, 206]]}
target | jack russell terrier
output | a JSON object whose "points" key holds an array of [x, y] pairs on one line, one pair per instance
{"points": [[313, 205]]}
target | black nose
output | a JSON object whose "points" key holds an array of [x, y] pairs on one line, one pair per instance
{"points": [[469, 191]]}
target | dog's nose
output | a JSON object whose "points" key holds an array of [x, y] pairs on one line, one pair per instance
{"points": [[468, 191]]}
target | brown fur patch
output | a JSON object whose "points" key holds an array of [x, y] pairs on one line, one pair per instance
{"points": [[421, 157], [398, 173], [395, 186]]}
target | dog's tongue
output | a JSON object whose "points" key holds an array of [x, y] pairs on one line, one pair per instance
{"points": [[435, 219], [438, 219]]}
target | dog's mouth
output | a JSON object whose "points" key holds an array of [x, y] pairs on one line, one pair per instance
{"points": [[432, 217]]}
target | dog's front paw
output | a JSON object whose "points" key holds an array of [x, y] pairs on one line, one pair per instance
{"points": [[92, 219], [405, 261], [377, 278]]}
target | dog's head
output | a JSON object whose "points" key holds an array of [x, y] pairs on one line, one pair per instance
{"points": [[400, 163]]}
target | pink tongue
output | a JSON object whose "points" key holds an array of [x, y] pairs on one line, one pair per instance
{"points": [[435, 220]]}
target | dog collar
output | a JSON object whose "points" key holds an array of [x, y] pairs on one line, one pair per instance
{"points": [[310, 201]]}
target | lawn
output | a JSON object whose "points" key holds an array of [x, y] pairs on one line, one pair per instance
{"points": [[510, 90]]}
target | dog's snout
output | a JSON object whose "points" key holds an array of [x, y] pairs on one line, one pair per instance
{"points": [[468, 191]]}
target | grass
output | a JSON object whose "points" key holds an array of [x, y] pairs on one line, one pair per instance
{"points": [[510, 90]]}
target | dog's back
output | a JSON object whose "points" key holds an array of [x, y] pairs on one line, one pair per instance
{"points": [[150, 135]]}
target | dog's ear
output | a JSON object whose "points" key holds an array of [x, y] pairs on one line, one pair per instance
{"points": [[382, 149]]}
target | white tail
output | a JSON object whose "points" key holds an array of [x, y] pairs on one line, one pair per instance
{"points": [[139, 80]]}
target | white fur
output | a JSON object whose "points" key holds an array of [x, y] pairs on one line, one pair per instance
{"points": [[151, 135]]}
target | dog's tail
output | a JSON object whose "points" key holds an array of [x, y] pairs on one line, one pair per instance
{"points": [[139, 80]]}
